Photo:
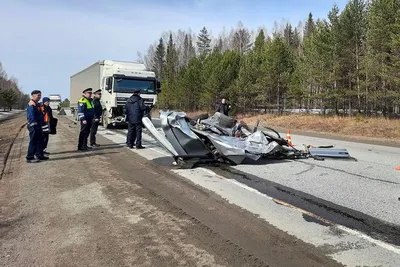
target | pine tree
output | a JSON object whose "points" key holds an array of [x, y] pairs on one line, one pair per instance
{"points": [[171, 62], [188, 50], [259, 43], [203, 42], [353, 29], [192, 49], [170, 96], [192, 84], [241, 40], [310, 26], [159, 60], [383, 21], [279, 66], [296, 41], [219, 46], [288, 34]]}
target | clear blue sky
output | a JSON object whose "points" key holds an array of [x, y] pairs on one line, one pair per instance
{"points": [[43, 42]]}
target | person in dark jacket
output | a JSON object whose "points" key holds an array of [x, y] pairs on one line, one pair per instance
{"points": [[48, 117], [98, 112], [134, 111], [223, 107], [85, 116], [34, 123]]}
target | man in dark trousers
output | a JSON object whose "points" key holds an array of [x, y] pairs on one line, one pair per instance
{"points": [[134, 111], [98, 112], [85, 116], [35, 122], [223, 107]]}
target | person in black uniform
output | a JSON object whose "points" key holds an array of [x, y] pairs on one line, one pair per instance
{"points": [[223, 107], [35, 122], [98, 112], [85, 116], [134, 111]]}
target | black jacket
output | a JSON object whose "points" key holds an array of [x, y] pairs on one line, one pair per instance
{"points": [[49, 111], [134, 109], [222, 108], [98, 109]]}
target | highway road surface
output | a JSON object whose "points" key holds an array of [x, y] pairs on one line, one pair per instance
{"points": [[348, 208], [8, 114]]}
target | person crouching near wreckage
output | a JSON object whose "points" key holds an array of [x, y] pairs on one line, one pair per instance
{"points": [[134, 111], [85, 116], [35, 122]]}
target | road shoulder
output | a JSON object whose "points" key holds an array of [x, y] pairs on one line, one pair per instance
{"points": [[110, 207]]}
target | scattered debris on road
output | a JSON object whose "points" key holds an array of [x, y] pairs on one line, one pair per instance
{"points": [[223, 139]]}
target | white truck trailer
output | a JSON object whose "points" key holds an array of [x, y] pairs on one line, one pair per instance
{"points": [[55, 101], [117, 80]]}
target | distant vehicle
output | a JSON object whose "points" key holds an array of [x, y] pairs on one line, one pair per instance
{"points": [[55, 101], [117, 80]]}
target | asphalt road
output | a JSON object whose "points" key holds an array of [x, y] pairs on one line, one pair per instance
{"points": [[370, 185], [112, 207], [350, 208]]}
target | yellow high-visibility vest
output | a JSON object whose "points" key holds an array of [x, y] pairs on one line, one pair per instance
{"points": [[88, 103]]}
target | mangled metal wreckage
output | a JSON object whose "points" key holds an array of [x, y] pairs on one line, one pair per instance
{"points": [[222, 139]]}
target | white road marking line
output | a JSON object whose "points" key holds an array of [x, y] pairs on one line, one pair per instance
{"points": [[377, 242], [382, 244]]}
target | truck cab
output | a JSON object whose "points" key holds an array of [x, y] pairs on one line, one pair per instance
{"points": [[118, 88], [117, 81], [55, 101]]}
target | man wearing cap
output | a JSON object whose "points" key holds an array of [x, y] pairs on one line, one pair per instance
{"points": [[98, 112], [85, 116], [34, 123], [134, 111]]}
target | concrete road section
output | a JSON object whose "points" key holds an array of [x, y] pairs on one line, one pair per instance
{"points": [[347, 209], [370, 185], [114, 207]]}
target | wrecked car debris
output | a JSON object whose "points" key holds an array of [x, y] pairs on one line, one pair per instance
{"points": [[223, 139]]}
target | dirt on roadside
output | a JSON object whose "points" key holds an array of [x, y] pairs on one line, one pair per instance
{"points": [[9, 129]]}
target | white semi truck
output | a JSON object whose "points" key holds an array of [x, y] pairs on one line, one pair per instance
{"points": [[117, 81]]}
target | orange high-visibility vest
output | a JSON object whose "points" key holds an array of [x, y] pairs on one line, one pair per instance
{"points": [[46, 115]]}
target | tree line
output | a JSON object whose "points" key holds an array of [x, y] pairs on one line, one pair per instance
{"points": [[11, 95], [346, 63]]}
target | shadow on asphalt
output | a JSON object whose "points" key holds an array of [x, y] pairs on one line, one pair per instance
{"points": [[83, 155], [265, 161], [103, 147]]}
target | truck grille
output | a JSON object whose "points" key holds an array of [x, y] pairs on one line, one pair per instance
{"points": [[148, 101], [121, 101]]}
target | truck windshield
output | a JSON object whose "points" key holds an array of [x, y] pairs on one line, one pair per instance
{"points": [[129, 85]]}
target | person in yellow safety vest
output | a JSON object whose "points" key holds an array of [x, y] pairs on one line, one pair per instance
{"points": [[85, 116]]}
